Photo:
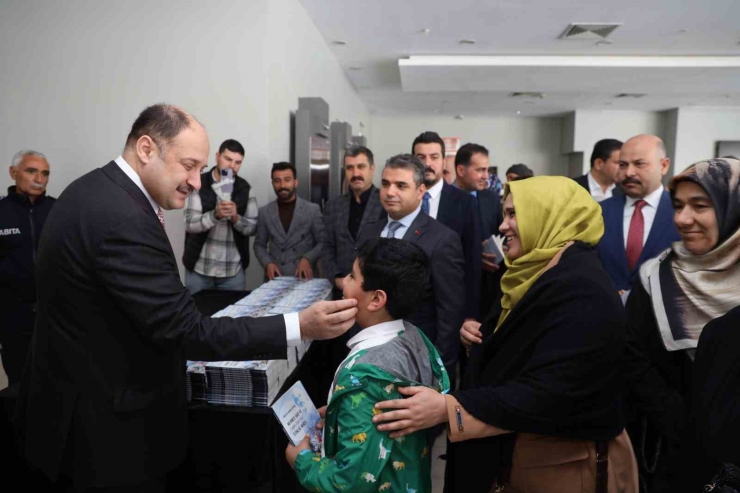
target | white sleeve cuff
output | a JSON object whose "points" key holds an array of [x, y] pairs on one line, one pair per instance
{"points": [[292, 329]]}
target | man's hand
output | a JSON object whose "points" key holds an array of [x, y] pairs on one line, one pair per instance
{"points": [[304, 269], [292, 452], [272, 271], [425, 408], [470, 334], [489, 261], [225, 208], [327, 319], [339, 282]]}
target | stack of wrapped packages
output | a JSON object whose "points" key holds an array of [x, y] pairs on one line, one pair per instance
{"points": [[256, 383]]}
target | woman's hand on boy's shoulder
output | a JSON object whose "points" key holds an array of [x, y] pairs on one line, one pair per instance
{"points": [[423, 409]]}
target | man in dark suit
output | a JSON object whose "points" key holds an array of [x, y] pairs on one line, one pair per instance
{"points": [[471, 170], [345, 218], [638, 226], [103, 393], [601, 181], [347, 215], [441, 312], [456, 210]]}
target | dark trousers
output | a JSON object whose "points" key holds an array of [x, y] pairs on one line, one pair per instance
{"points": [[17, 320]]}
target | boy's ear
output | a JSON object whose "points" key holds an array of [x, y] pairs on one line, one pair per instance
{"points": [[378, 301]]}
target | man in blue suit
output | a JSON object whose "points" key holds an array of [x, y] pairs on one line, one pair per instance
{"points": [[638, 225]]}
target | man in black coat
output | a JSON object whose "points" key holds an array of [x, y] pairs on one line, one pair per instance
{"points": [[455, 209], [471, 175], [103, 397], [22, 216], [601, 181], [440, 313]]}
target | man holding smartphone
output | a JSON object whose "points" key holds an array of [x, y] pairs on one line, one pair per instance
{"points": [[219, 219]]}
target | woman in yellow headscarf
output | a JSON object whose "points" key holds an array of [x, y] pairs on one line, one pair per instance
{"points": [[539, 409]]}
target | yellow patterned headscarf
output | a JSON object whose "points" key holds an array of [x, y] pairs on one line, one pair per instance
{"points": [[550, 212]]}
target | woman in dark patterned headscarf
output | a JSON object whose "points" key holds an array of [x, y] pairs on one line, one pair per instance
{"points": [[694, 282]]}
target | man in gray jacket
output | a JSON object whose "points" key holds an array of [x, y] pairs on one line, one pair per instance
{"points": [[290, 230]]}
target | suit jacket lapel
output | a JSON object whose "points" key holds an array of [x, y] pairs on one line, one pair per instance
{"points": [[444, 197], [417, 228], [274, 216], [373, 203], [300, 209], [343, 217], [117, 175], [618, 220], [663, 218]]}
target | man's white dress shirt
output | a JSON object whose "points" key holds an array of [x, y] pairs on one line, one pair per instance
{"points": [[648, 213], [596, 191]]}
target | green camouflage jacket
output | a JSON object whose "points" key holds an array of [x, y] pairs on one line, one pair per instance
{"points": [[359, 458]]}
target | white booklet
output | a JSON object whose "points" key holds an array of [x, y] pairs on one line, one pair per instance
{"points": [[298, 416], [495, 245]]}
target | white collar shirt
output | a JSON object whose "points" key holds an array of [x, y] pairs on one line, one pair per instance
{"points": [[648, 213]]}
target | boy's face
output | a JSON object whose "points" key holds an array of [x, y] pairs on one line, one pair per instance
{"points": [[366, 300]]}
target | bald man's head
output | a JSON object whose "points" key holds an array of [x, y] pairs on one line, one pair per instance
{"points": [[642, 164]]}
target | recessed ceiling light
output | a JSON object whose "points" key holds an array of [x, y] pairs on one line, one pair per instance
{"points": [[425, 31], [459, 117], [467, 41], [340, 42], [682, 31], [518, 112]]}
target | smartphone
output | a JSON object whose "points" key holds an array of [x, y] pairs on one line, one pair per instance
{"points": [[227, 176]]}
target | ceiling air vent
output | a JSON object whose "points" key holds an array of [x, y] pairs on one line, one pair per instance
{"points": [[589, 31], [527, 95], [626, 95]]}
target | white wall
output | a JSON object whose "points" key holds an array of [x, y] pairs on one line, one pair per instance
{"points": [[76, 75], [532, 141], [592, 125], [698, 131]]}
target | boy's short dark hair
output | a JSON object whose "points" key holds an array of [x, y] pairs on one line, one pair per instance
{"points": [[231, 145], [282, 166], [399, 268]]}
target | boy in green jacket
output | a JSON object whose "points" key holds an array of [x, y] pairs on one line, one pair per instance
{"points": [[387, 279]]}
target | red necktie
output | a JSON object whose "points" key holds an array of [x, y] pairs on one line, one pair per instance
{"points": [[635, 236], [160, 215]]}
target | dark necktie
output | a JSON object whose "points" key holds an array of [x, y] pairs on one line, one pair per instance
{"points": [[425, 203]]}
